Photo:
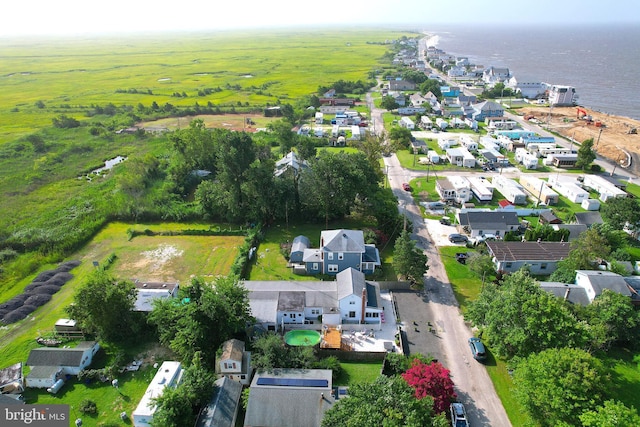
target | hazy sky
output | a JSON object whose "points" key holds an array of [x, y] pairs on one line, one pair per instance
{"points": [[78, 17]]}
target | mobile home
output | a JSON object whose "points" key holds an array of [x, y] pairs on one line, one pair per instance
{"points": [[442, 123], [468, 142], [454, 188], [568, 189], [606, 189], [510, 189], [433, 156], [460, 156], [538, 190], [481, 188]]}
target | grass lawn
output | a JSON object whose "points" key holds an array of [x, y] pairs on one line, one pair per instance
{"points": [[625, 376], [270, 263], [466, 284], [109, 400], [358, 372], [201, 255]]}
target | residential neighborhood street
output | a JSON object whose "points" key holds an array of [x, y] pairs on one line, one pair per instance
{"points": [[434, 324]]}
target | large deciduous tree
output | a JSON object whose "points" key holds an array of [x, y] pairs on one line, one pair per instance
{"points": [[214, 313], [388, 103], [409, 261], [612, 319], [586, 154], [557, 385], [611, 414], [270, 351], [333, 183], [433, 380], [519, 318], [389, 402], [104, 306], [619, 211]]}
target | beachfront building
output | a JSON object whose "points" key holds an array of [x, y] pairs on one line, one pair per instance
{"points": [[527, 87], [493, 75], [560, 95]]}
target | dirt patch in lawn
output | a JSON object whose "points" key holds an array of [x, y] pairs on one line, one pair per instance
{"points": [[156, 259], [237, 122]]}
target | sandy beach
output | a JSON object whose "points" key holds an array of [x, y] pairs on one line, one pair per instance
{"points": [[613, 138]]}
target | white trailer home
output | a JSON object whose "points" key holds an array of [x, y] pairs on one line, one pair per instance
{"points": [[549, 151], [445, 143], [433, 157], [481, 188], [489, 143], [407, 123], [510, 189], [567, 188], [528, 160], [538, 190], [606, 189], [319, 118], [535, 147], [425, 122], [460, 156], [468, 142], [355, 133], [442, 123]]}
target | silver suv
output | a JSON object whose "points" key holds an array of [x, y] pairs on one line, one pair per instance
{"points": [[458, 415]]}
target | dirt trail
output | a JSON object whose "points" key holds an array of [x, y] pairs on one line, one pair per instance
{"points": [[612, 138]]}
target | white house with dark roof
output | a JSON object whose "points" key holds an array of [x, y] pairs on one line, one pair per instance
{"points": [[48, 365], [339, 250], [479, 223], [539, 257], [595, 281], [493, 75], [350, 299], [235, 362], [289, 398]]}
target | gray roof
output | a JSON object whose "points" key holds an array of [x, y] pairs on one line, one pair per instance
{"points": [[549, 217], [371, 254], [284, 406], [601, 280], [350, 282], [10, 374], [291, 301], [300, 243], [488, 106], [588, 218], [312, 255], [59, 356], [290, 161], [489, 220], [40, 372], [6, 399], [342, 240], [569, 292], [529, 251], [223, 407], [574, 229]]}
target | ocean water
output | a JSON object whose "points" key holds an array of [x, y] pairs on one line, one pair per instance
{"points": [[601, 62]]}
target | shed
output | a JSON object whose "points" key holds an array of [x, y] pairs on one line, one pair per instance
{"points": [[300, 243], [590, 204]]}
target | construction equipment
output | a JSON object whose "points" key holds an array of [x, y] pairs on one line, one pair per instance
{"points": [[582, 114]]}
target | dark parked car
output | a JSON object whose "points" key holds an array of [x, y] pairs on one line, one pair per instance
{"points": [[458, 415], [458, 238], [445, 220], [477, 348]]}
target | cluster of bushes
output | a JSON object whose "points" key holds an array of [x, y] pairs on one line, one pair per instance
{"points": [[37, 293], [217, 231]]}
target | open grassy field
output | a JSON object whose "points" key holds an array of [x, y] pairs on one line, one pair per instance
{"points": [[149, 258], [253, 67]]}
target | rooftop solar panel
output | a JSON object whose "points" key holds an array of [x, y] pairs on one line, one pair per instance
{"points": [[293, 382]]}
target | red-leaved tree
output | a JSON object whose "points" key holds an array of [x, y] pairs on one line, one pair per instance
{"points": [[431, 380]]}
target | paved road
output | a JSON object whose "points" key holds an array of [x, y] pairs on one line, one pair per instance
{"points": [[433, 321]]}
